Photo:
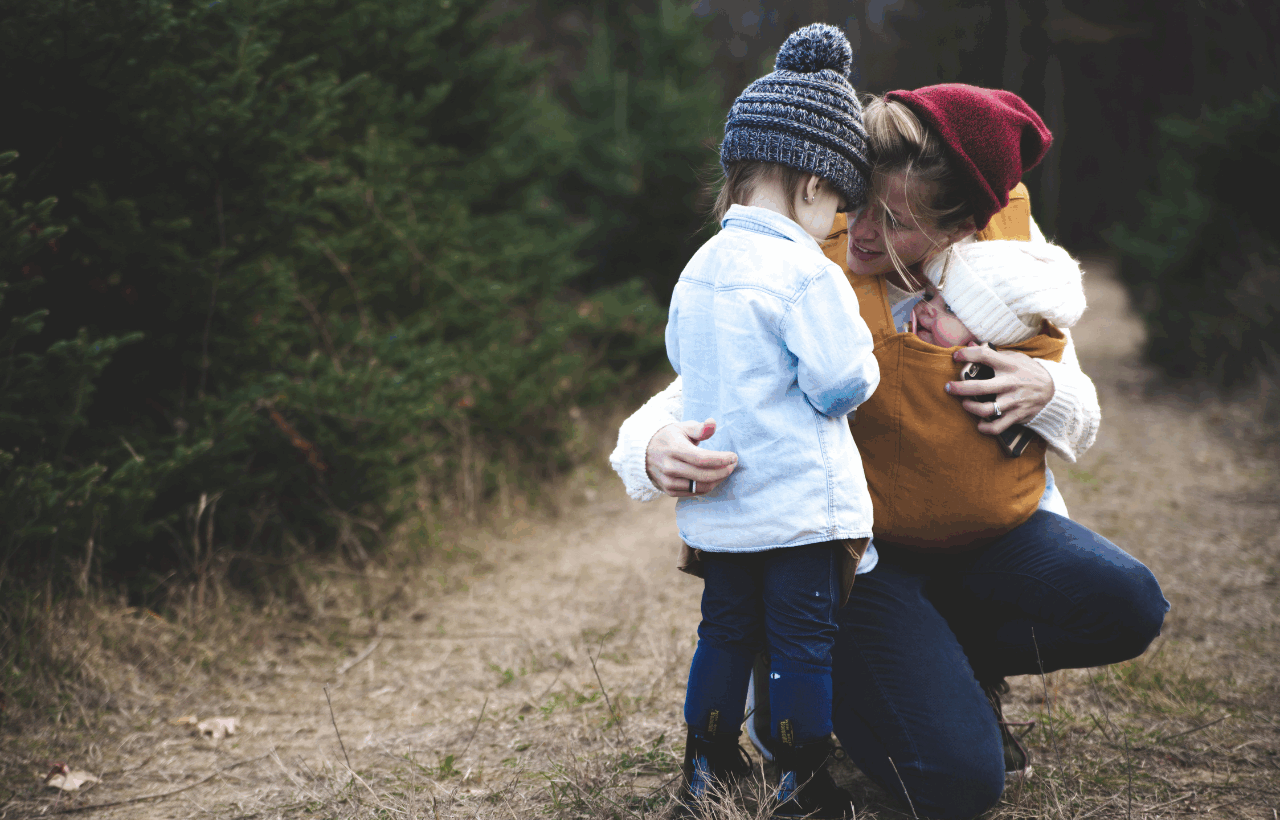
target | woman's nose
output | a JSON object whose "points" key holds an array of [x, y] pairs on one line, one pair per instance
{"points": [[863, 224]]}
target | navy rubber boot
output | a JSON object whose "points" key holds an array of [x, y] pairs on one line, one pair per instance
{"points": [[711, 767], [805, 787]]}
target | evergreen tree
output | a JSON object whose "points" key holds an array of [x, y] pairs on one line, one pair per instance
{"points": [[1204, 262], [307, 244], [45, 391], [648, 117]]}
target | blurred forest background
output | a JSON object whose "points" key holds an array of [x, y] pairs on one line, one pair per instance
{"points": [[276, 274]]}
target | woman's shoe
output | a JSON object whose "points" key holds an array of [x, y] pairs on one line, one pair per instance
{"points": [[805, 787], [1017, 760]]}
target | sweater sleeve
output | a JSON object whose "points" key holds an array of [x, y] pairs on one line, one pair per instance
{"points": [[628, 457], [1069, 422]]}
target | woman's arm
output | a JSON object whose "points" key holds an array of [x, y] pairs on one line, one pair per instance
{"points": [[1054, 399], [657, 453], [1069, 422]]}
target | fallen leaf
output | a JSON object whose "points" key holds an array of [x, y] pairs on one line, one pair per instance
{"points": [[218, 728], [61, 776]]}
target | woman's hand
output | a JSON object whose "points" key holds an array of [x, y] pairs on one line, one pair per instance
{"points": [[1022, 387], [673, 459]]}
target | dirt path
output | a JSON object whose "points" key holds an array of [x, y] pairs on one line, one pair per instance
{"points": [[511, 631], [478, 696]]}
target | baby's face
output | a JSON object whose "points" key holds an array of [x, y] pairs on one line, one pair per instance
{"points": [[934, 322]]}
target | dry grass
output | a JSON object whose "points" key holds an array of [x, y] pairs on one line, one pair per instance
{"points": [[535, 666]]}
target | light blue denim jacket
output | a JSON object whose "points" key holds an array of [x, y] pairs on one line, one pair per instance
{"points": [[765, 333]]}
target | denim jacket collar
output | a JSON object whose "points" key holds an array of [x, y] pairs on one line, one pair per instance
{"points": [[765, 221]]}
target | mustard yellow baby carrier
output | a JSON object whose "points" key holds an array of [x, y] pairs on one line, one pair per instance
{"points": [[935, 481]]}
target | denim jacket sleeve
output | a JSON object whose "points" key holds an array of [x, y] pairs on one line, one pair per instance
{"points": [[836, 368]]}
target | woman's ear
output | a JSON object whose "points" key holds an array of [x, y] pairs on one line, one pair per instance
{"points": [[964, 229]]}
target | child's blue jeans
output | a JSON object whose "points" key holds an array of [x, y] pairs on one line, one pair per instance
{"points": [[785, 599]]}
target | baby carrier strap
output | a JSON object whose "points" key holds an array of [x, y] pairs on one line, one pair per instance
{"points": [[935, 481]]}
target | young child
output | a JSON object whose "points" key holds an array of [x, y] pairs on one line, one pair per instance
{"points": [[766, 335]]}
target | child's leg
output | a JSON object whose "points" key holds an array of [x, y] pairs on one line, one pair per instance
{"points": [[801, 596], [731, 632]]}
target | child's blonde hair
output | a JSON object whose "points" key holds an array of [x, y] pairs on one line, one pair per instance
{"points": [[742, 178]]}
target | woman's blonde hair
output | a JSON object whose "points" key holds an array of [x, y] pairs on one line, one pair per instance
{"points": [[740, 181], [902, 144]]}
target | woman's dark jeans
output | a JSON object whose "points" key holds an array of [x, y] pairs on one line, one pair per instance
{"points": [[920, 631]]}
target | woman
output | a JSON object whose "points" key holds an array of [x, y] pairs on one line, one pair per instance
{"points": [[927, 638]]}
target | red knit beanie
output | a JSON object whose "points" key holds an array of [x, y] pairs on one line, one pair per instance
{"points": [[992, 135]]}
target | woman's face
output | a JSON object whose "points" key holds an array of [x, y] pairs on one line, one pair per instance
{"points": [[868, 253]]}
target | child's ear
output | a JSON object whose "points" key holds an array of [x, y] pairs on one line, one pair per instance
{"points": [[812, 186]]}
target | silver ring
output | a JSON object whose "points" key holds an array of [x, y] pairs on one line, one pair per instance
{"points": [[996, 404], [693, 486]]}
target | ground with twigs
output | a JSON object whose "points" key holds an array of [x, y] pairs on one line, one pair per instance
{"points": [[535, 666]]}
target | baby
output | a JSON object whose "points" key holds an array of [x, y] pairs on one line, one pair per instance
{"points": [[999, 292], [933, 320], [936, 481]]}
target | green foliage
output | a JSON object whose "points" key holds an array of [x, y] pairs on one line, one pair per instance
{"points": [[43, 397], [1204, 262], [649, 116], [315, 254]]}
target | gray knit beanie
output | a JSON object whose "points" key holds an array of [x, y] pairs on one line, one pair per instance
{"points": [[805, 114]]}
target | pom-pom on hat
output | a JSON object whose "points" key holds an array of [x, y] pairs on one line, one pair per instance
{"points": [[1003, 290], [992, 136], [805, 114]]}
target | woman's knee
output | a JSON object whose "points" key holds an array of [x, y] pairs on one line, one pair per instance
{"points": [[1125, 603], [1142, 616], [959, 788], [954, 772], [1129, 609]]}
